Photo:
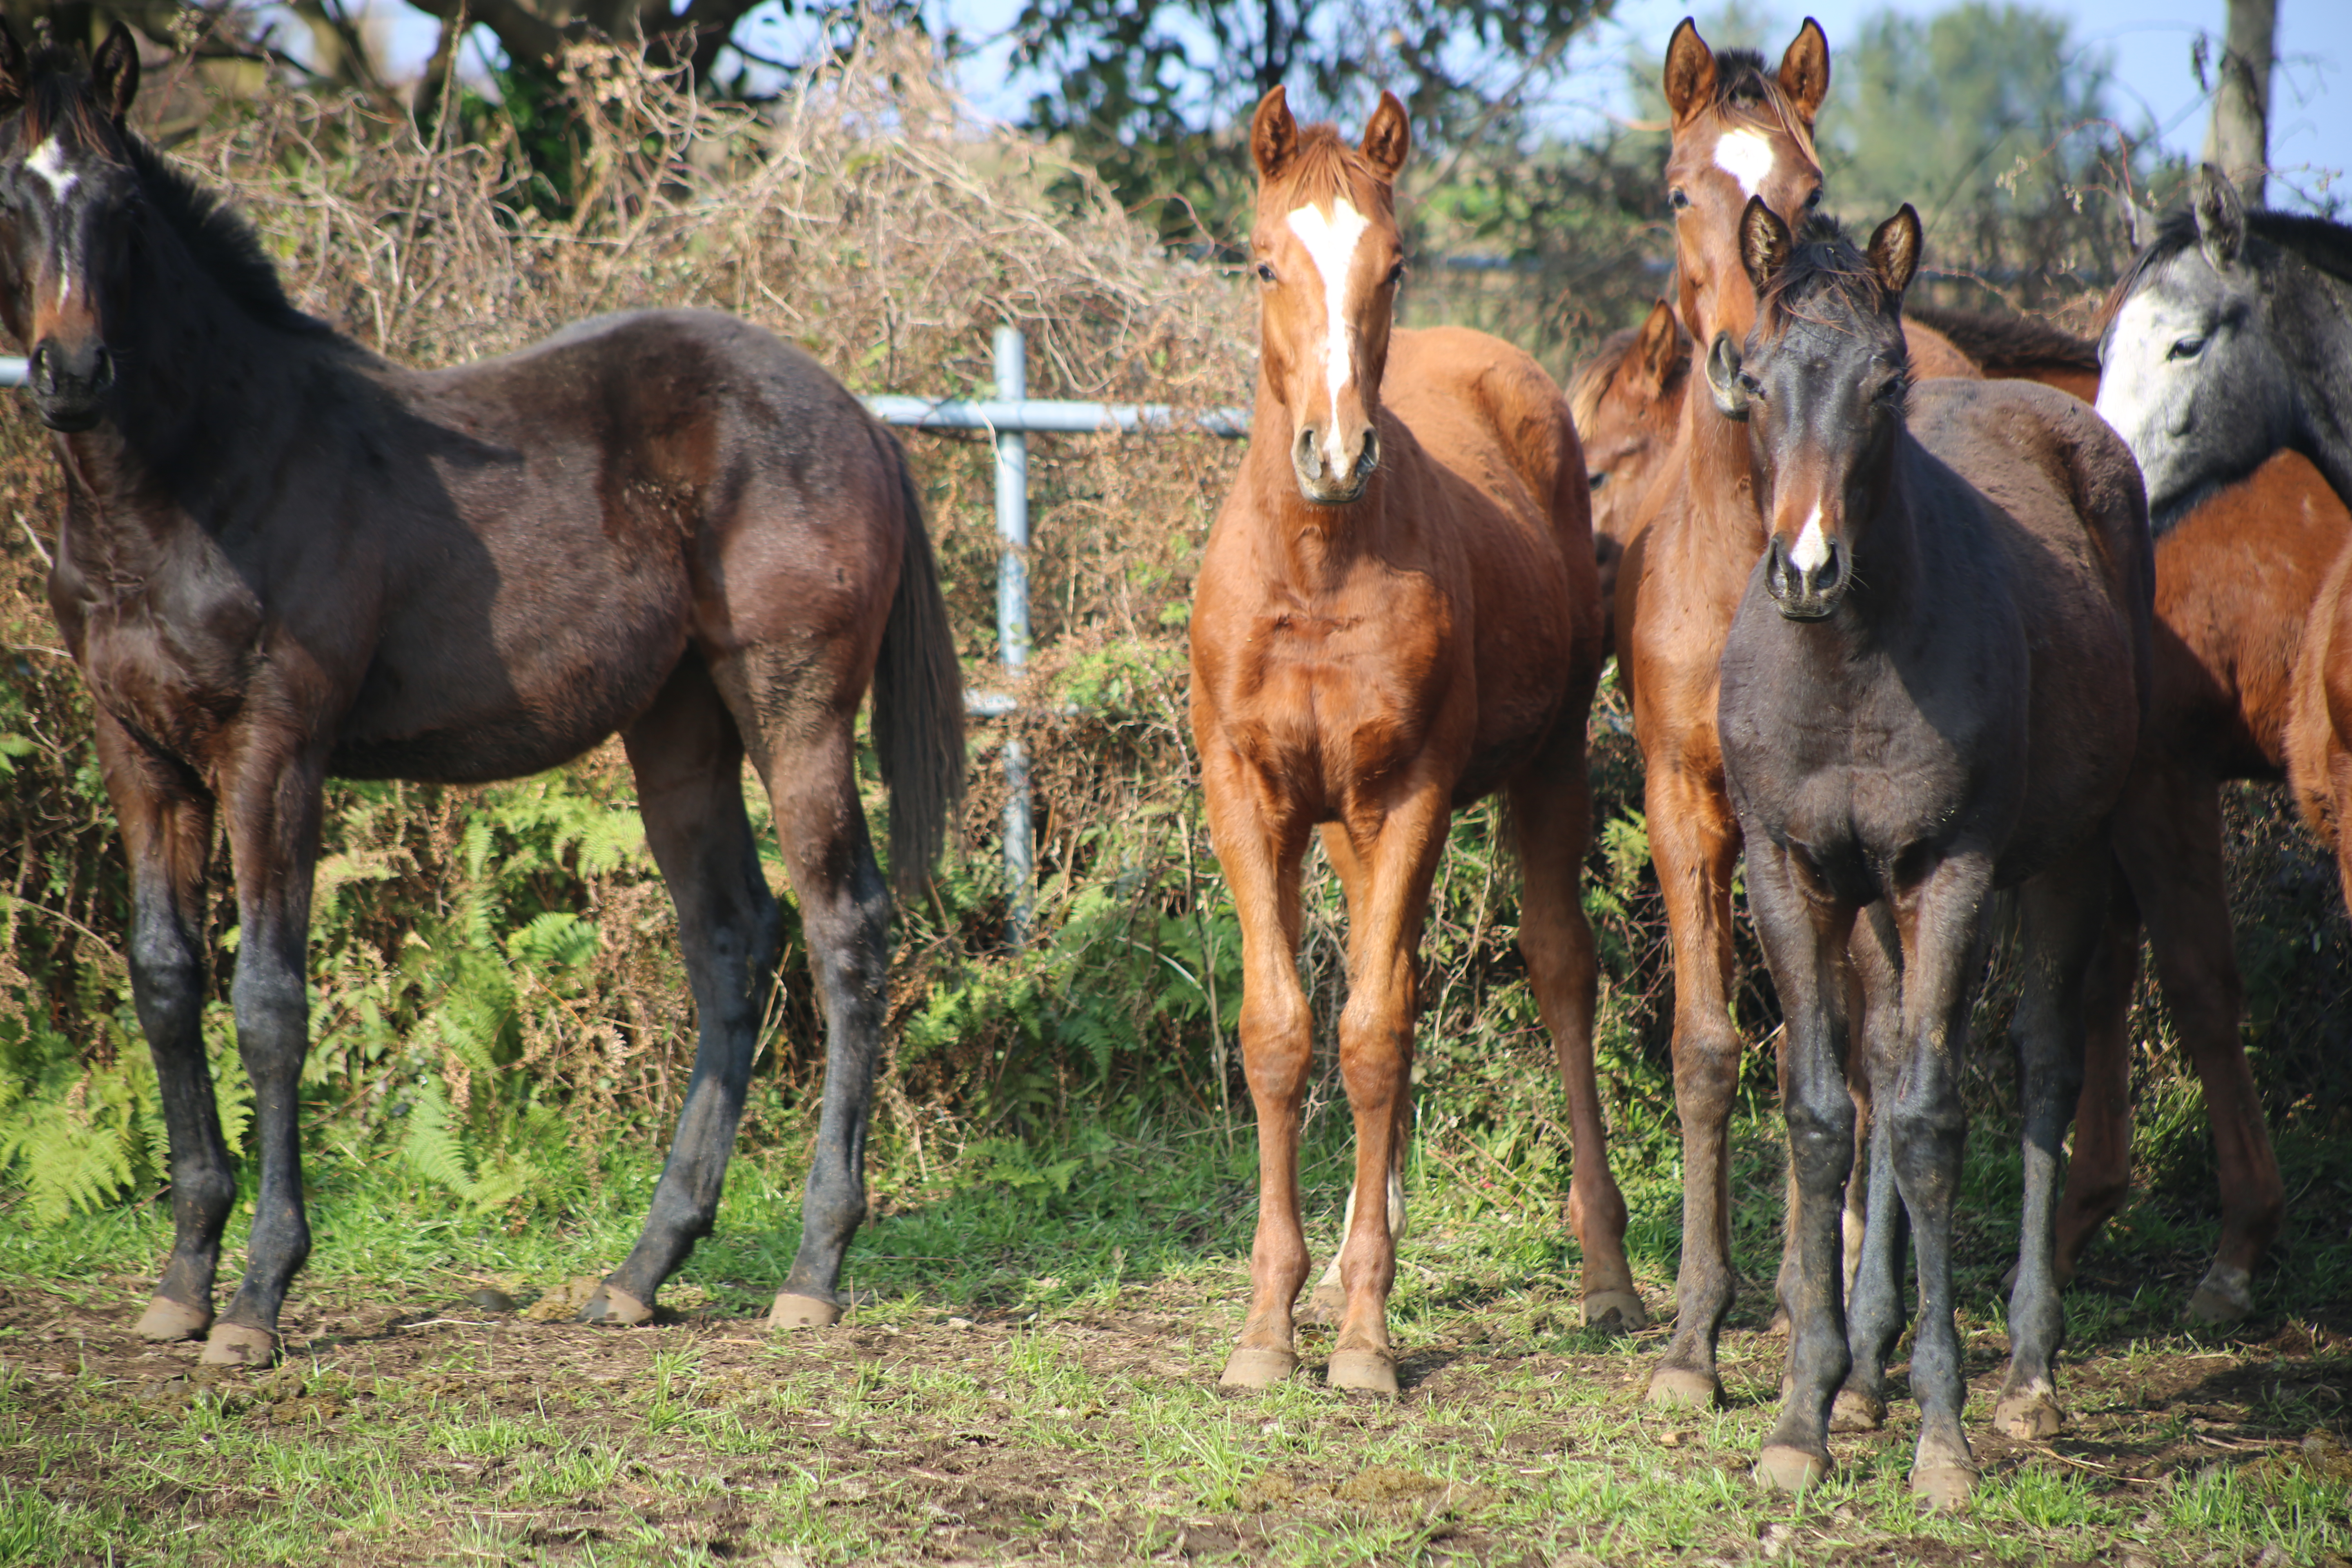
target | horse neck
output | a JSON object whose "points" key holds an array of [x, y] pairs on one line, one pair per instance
{"points": [[1724, 507]]}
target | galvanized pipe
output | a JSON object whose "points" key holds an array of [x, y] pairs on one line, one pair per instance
{"points": [[1013, 624]]}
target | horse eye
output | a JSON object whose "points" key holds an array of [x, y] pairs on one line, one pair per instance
{"points": [[1814, 200], [1750, 386], [1396, 275], [1678, 199], [1264, 272], [1599, 478], [2187, 348]]}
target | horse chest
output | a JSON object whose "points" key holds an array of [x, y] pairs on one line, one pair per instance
{"points": [[1333, 692]]}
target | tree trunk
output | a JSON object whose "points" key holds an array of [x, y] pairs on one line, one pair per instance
{"points": [[2238, 141]]}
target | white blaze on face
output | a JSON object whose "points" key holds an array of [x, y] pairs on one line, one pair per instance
{"points": [[1746, 156], [1813, 546], [1331, 243], [2141, 387], [48, 161]]}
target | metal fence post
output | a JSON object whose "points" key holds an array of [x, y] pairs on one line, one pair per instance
{"points": [[1012, 622]]}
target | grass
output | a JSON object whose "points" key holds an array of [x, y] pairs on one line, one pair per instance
{"points": [[1031, 1376]]}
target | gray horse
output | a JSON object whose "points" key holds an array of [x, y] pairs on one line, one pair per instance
{"points": [[2227, 339]]}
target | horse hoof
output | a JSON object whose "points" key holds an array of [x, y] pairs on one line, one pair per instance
{"points": [[1685, 1389], [611, 1305], [230, 1344], [166, 1320], [2225, 1296], [1943, 1488], [1854, 1411], [1620, 1311], [1374, 1372], [1248, 1368], [794, 1311], [1325, 1304], [2029, 1416], [1787, 1470]]}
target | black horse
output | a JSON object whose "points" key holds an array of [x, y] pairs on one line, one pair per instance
{"points": [[2229, 338], [283, 558], [1931, 691]]}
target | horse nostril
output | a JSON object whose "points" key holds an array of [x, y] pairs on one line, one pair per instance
{"points": [[1371, 458], [101, 371], [1307, 454]]}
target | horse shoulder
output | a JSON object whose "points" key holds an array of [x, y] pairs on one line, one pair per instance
{"points": [[1935, 356], [2319, 715]]}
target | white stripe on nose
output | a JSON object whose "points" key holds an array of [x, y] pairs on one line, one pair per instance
{"points": [[1746, 156], [1332, 245], [1812, 548]]}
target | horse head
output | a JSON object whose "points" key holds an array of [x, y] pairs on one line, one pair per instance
{"points": [[66, 196], [1625, 400], [1330, 259], [1820, 385], [2191, 374], [1739, 134]]}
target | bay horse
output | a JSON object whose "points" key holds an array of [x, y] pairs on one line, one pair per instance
{"points": [[1395, 616], [2228, 338], [284, 558], [1932, 690]]}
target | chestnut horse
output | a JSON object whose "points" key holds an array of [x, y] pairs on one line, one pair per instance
{"points": [[2226, 640], [283, 558], [2319, 734], [1395, 616], [1626, 399], [1932, 690]]}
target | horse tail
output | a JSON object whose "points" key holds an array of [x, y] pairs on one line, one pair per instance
{"points": [[917, 698]]}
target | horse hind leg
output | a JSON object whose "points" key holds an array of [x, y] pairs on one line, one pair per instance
{"points": [[687, 756], [800, 726]]}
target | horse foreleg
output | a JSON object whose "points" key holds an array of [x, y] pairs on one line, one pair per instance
{"points": [[1874, 1245], [2169, 842], [1551, 807], [1400, 858], [1940, 921], [2064, 913], [1805, 941], [1260, 860], [687, 757], [1694, 841], [1328, 1302], [271, 805], [167, 820]]}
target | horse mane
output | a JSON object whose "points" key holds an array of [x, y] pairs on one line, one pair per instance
{"points": [[1822, 261], [221, 240], [1588, 382], [2324, 244], [2006, 343], [1748, 93], [1324, 167]]}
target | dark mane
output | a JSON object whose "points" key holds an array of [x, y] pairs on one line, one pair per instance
{"points": [[2006, 345], [1824, 262], [58, 99], [2324, 244]]}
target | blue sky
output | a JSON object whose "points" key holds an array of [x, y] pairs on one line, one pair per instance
{"points": [[2149, 41]]}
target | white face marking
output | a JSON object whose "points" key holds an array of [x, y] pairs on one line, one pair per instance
{"points": [[1331, 243], [49, 162], [1746, 156], [1811, 548], [2142, 389]]}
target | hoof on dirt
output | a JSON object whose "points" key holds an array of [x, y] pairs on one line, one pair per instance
{"points": [[1854, 1411], [1247, 1368], [1943, 1488], [230, 1344], [1326, 1303], [2225, 1296], [166, 1320], [2029, 1416], [1373, 1372], [794, 1311], [1681, 1387], [617, 1307], [1787, 1470], [1620, 1311]]}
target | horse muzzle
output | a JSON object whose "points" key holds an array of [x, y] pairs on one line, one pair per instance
{"points": [[71, 385], [1316, 479], [1806, 593]]}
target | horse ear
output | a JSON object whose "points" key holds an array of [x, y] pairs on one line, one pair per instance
{"points": [[15, 70], [1895, 250], [1662, 344], [2140, 223], [114, 70], [1805, 70], [2220, 218], [1764, 242], [1274, 134], [1388, 138], [1690, 72], [1723, 378]]}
